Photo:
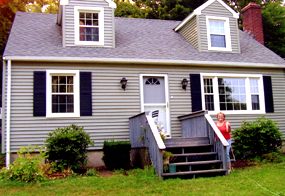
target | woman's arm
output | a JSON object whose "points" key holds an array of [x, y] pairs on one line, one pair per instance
{"points": [[229, 127]]}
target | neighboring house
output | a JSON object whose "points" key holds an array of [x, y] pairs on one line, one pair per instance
{"points": [[66, 69]]}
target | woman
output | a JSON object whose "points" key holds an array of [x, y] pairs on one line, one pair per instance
{"points": [[225, 129]]}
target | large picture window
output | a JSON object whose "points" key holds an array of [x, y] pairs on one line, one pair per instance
{"points": [[233, 93], [62, 93], [89, 26]]}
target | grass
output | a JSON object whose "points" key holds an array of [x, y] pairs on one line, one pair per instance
{"points": [[264, 179]]}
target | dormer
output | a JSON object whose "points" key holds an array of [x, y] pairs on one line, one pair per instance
{"points": [[212, 27], [87, 23]]}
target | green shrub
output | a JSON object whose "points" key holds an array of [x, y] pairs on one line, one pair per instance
{"points": [[27, 167], [116, 154], [253, 139], [92, 172], [67, 147], [273, 157]]}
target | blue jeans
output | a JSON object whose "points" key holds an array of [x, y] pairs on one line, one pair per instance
{"points": [[228, 149]]}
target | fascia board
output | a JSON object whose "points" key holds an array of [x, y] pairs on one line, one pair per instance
{"points": [[198, 11], [111, 4], [144, 61]]}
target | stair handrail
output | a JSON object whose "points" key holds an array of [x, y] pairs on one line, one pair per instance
{"points": [[143, 124], [216, 130], [155, 133]]}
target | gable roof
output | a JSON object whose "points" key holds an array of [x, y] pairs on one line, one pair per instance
{"points": [[199, 10], [36, 37]]}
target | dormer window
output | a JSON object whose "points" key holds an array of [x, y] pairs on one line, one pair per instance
{"points": [[89, 26], [218, 33]]}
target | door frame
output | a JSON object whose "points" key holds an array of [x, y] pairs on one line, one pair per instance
{"points": [[167, 105]]}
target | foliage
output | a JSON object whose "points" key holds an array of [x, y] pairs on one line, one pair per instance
{"points": [[273, 157], [116, 154], [253, 139], [163, 9], [67, 147], [27, 167], [127, 9], [9, 8], [274, 27], [92, 172]]}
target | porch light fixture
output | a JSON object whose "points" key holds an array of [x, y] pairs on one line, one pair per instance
{"points": [[124, 83], [184, 83]]}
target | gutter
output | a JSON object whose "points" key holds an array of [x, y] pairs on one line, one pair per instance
{"points": [[143, 61]]}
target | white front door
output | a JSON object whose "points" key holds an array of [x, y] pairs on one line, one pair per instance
{"points": [[154, 96]]}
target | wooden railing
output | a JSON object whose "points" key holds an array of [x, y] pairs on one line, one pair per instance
{"points": [[201, 124], [144, 133]]}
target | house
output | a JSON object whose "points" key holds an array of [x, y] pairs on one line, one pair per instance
{"points": [[67, 69]]}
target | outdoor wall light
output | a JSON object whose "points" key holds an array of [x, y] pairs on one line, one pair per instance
{"points": [[124, 83], [184, 83]]}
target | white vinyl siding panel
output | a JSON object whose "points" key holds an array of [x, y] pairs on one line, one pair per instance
{"points": [[217, 10], [108, 21], [112, 106], [190, 32]]}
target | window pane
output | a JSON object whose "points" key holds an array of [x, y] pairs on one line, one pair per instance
{"points": [[209, 102], [217, 27], [54, 79], [70, 88], [255, 102], [54, 88], [62, 79], [230, 95], [218, 41], [62, 103], [69, 79], [62, 88], [88, 15], [253, 85]]}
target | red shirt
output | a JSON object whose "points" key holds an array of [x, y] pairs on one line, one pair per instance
{"points": [[223, 130]]}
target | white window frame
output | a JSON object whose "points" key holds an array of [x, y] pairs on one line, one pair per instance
{"points": [[100, 12], [227, 33], [75, 74], [249, 110]]}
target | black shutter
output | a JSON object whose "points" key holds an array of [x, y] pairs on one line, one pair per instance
{"points": [[196, 98], [268, 94], [85, 94], [39, 93]]}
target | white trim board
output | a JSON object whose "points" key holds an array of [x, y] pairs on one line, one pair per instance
{"points": [[198, 11], [143, 61]]}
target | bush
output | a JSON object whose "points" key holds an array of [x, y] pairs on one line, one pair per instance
{"points": [[26, 167], [67, 147], [116, 154], [253, 139], [92, 172], [273, 157]]}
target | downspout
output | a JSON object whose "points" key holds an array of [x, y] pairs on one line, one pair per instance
{"points": [[8, 113], [3, 143]]}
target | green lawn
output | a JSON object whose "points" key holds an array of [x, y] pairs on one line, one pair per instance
{"points": [[265, 179]]}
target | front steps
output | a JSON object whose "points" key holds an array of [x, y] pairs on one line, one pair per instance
{"points": [[193, 157]]}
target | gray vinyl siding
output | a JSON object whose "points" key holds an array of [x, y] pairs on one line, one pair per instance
{"points": [[113, 106], [108, 21], [217, 10], [190, 32]]}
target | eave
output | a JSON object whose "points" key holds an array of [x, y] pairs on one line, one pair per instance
{"points": [[143, 61]]}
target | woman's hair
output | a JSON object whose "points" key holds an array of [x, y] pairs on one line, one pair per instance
{"points": [[222, 114]]}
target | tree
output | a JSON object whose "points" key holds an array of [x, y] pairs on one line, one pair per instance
{"points": [[127, 9], [169, 9], [273, 18]]}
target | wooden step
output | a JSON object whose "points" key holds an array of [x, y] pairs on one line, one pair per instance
{"points": [[188, 145], [194, 154], [197, 163], [194, 172], [186, 141]]}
